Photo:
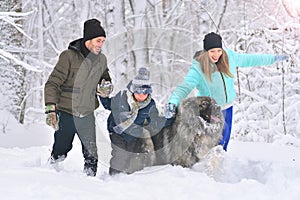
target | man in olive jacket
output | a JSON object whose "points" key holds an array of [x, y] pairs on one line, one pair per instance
{"points": [[70, 95]]}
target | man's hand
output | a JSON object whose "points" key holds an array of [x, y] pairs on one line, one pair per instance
{"points": [[52, 118], [104, 89]]}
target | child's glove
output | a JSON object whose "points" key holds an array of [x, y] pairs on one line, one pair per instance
{"points": [[279, 58], [170, 110], [52, 118], [104, 89]]}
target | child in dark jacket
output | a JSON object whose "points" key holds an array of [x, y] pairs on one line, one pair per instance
{"points": [[133, 111]]}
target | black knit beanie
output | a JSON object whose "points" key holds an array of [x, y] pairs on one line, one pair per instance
{"points": [[92, 29], [212, 40]]}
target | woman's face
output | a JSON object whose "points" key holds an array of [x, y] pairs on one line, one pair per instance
{"points": [[140, 97], [214, 54]]}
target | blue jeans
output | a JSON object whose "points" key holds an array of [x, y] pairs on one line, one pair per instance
{"points": [[227, 127]]}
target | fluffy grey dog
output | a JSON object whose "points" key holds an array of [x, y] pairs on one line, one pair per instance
{"points": [[191, 138], [196, 130]]}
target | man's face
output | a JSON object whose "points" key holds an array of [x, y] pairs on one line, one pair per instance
{"points": [[95, 44]]}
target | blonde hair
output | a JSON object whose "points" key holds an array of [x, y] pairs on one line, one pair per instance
{"points": [[222, 65]]}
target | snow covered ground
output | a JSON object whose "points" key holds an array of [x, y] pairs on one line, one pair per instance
{"points": [[249, 171]]}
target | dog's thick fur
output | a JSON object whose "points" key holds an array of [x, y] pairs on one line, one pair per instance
{"points": [[196, 130]]}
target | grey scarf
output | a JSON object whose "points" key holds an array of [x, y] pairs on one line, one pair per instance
{"points": [[132, 114]]}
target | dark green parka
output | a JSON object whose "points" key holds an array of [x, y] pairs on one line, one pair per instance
{"points": [[72, 84]]}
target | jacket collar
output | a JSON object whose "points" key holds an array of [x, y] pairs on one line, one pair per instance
{"points": [[78, 45]]}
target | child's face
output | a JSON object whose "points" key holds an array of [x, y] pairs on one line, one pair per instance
{"points": [[140, 97]]}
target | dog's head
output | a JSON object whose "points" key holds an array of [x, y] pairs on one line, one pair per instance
{"points": [[209, 110], [204, 108]]}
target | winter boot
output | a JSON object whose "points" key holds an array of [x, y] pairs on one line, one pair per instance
{"points": [[56, 159], [90, 167], [90, 171]]}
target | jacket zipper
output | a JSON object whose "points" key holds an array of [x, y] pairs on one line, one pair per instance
{"points": [[224, 86]]}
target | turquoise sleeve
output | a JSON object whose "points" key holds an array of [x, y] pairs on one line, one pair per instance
{"points": [[184, 89], [249, 60]]}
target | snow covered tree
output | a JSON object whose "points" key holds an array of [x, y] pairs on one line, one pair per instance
{"points": [[164, 34], [13, 75]]}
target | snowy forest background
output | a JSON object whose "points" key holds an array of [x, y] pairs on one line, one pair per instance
{"points": [[164, 35]]}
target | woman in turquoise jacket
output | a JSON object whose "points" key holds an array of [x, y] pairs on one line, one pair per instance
{"points": [[212, 73]]}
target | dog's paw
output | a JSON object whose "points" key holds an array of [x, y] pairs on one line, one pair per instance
{"points": [[211, 163]]}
